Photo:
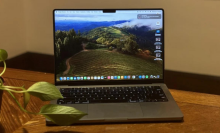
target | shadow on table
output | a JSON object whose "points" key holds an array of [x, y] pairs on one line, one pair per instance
{"points": [[110, 123], [25, 131], [62, 132], [140, 122], [2, 130]]}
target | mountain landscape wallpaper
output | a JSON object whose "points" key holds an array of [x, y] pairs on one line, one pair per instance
{"points": [[106, 44]]}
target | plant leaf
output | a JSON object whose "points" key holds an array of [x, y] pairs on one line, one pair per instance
{"points": [[27, 97], [3, 55], [61, 115], [45, 91]]}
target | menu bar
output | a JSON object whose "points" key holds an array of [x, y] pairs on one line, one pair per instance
{"points": [[100, 11]]}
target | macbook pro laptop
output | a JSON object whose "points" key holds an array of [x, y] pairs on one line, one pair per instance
{"points": [[110, 64]]}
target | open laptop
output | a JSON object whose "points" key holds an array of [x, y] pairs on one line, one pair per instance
{"points": [[110, 64]]}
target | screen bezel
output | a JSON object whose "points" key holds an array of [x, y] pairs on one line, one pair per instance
{"points": [[110, 82]]}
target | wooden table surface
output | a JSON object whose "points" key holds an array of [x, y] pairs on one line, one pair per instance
{"points": [[201, 112]]}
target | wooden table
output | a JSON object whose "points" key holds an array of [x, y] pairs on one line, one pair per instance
{"points": [[201, 112]]}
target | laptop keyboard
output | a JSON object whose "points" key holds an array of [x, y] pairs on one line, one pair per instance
{"points": [[130, 94]]}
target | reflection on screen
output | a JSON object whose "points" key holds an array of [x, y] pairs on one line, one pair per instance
{"points": [[92, 45]]}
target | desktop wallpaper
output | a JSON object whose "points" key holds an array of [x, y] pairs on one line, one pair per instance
{"points": [[107, 44]]}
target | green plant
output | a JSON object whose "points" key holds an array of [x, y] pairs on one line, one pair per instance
{"points": [[110, 48], [60, 115], [91, 46], [140, 50]]}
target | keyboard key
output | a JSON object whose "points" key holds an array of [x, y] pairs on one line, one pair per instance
{"points": [[162, 100], [66, 94], [112, 94], [69, 102], [107, 101], [61, 101]]}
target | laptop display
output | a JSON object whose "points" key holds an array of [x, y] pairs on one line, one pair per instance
{"points": [[92, 45]]}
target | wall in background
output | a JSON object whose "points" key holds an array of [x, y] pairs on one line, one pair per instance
{"points": [[191, 29], [12, 27], [191, 34]]}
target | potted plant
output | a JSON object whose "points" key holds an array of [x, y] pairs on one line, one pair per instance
{"points": [[60, 115]]}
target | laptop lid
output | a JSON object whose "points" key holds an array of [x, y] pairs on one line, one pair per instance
{"points": [[110, 46]]}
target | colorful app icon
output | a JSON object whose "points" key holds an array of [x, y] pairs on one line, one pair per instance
{"points": [[158, 23], [119, 77], [71, 78], [158, 31], [61, 78], [133, 77], [85, 78], [95, 77], [64, 78], [158, 54], [74, 78], [157, 51], [125, 77], [81, 78], [158, 76], [98, 77], [78, 78], [88, 78], [146, 76], [157, 43], [140, 76], [102, 77], [151, 76], [115, 77], [92, 78], [157, 34], [105, 77], [157, 59], [158, 47], [129, 76], [122, 77], [158, 39], [143, 76], [68, 78], [112, 77], [109, 77], [136, 76]]}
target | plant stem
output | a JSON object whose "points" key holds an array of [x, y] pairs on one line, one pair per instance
{"points": [[4, 88], [20, 105], [8, 90], [3, 69], [1, 82], [14, 87]]}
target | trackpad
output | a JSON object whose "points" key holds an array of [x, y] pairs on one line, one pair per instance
{"points": [[115, 110]]}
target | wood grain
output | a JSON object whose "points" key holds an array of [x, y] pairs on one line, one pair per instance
{"points": [[201, 112], [196, 98], [27, 75], [11, 116], [198, 118]]}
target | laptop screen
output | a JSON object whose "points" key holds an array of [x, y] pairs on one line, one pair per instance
{"points": [[93, 45]]}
